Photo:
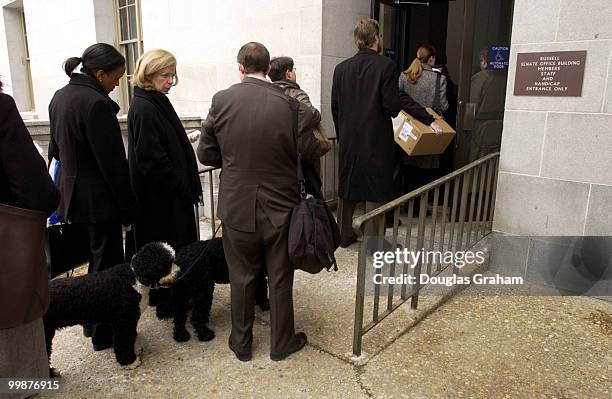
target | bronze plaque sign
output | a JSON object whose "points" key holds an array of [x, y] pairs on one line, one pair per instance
{"points": [[556, 74]]}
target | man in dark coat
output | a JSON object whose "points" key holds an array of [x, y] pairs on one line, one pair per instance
{"points": [[365, 96], [248, 132]]}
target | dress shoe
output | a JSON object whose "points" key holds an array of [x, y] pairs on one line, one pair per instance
{"points": [[349, 241], [243, 357], [300, 341]]}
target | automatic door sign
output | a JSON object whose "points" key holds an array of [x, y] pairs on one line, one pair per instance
{"points": [[499, 57], [390, 53], [554, 74]]}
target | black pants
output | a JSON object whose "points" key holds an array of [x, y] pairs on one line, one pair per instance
{"points": [[106, 251]]}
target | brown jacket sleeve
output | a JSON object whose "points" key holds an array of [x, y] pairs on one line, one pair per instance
{"points": [[209, 152], [309, 145]]}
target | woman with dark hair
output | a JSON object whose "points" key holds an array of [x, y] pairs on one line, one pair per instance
{"points": [[94, 179], [25, 186]]}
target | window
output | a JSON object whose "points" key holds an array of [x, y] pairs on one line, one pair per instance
{"points": [[130, 42], [26, 61], [19, 77]]}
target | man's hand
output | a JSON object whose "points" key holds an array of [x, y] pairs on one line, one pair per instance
{"points": [[325, 145], [193, 136], [436, 128]]}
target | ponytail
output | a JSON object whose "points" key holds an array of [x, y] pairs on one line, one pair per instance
{"points": [[71, 63], [97, 57], [415, 70]]}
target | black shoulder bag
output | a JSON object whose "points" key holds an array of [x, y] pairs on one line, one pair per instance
{"points": [[313, 232]]}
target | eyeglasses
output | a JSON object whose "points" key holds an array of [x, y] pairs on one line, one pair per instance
{"points": [[167, 76]]}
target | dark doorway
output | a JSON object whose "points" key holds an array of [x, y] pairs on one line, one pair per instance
{"points": [[463, 31]]}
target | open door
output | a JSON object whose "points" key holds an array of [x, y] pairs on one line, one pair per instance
{"points": [[474, 38]]}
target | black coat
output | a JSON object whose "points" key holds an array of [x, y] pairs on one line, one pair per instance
{"points": [[163, 170], [85, 137], [365, 97], [24, 180]]}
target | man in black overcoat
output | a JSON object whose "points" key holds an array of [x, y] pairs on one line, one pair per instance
{"points": [[365, 96]]}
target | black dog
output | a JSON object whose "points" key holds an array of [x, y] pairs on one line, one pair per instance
{"points": [[116, 296], [202, 264]]}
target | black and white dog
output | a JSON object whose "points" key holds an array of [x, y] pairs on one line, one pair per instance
{"points": [[116, 296], [202, 264]]}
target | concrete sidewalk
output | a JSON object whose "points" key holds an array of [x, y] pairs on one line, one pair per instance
{"points": [[475, 345]]}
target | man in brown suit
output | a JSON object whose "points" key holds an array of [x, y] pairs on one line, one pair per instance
{"points": [[248, 132]]}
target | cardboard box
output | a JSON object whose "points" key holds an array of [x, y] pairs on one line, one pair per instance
{"points": [[417, 138]]}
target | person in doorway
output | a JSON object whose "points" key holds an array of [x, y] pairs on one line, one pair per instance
{"points": [[450, 115], [368, 154], [94, 178], [249, 133], [487, 94], [428, 88], [283, 74]]}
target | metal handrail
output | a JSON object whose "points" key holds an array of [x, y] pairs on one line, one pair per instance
{"points": [[208, 170], [360, 221], [477, 182]]}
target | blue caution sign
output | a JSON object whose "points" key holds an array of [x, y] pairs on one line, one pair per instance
{"points": [[499, 57], [390, 53]]}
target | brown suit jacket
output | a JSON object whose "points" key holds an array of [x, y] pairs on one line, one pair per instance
{"points": [[248, 132]]}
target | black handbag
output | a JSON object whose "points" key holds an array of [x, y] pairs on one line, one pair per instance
{"points": [[313, 232], [68, 247]]}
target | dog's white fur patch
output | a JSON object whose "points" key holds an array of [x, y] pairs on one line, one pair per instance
{"points": [[143, 290], [168, 248], [171, 277]]}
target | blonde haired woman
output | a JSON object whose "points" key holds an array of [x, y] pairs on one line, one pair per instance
{"points": [[422, 83], [428, 88], [163, 167]]}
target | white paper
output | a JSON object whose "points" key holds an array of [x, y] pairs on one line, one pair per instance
{"points": [[406, 132]]}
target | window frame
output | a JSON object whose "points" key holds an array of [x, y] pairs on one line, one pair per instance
{"points": [[125, 45], [26, 59]]}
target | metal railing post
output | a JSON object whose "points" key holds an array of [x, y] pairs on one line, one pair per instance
{"points": [[468, 179]]}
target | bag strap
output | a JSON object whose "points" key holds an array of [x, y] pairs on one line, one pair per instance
{"points": [[436, 101], [295, 107]]}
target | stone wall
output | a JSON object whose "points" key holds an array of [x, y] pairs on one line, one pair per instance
{"points": [[556, 167]]}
